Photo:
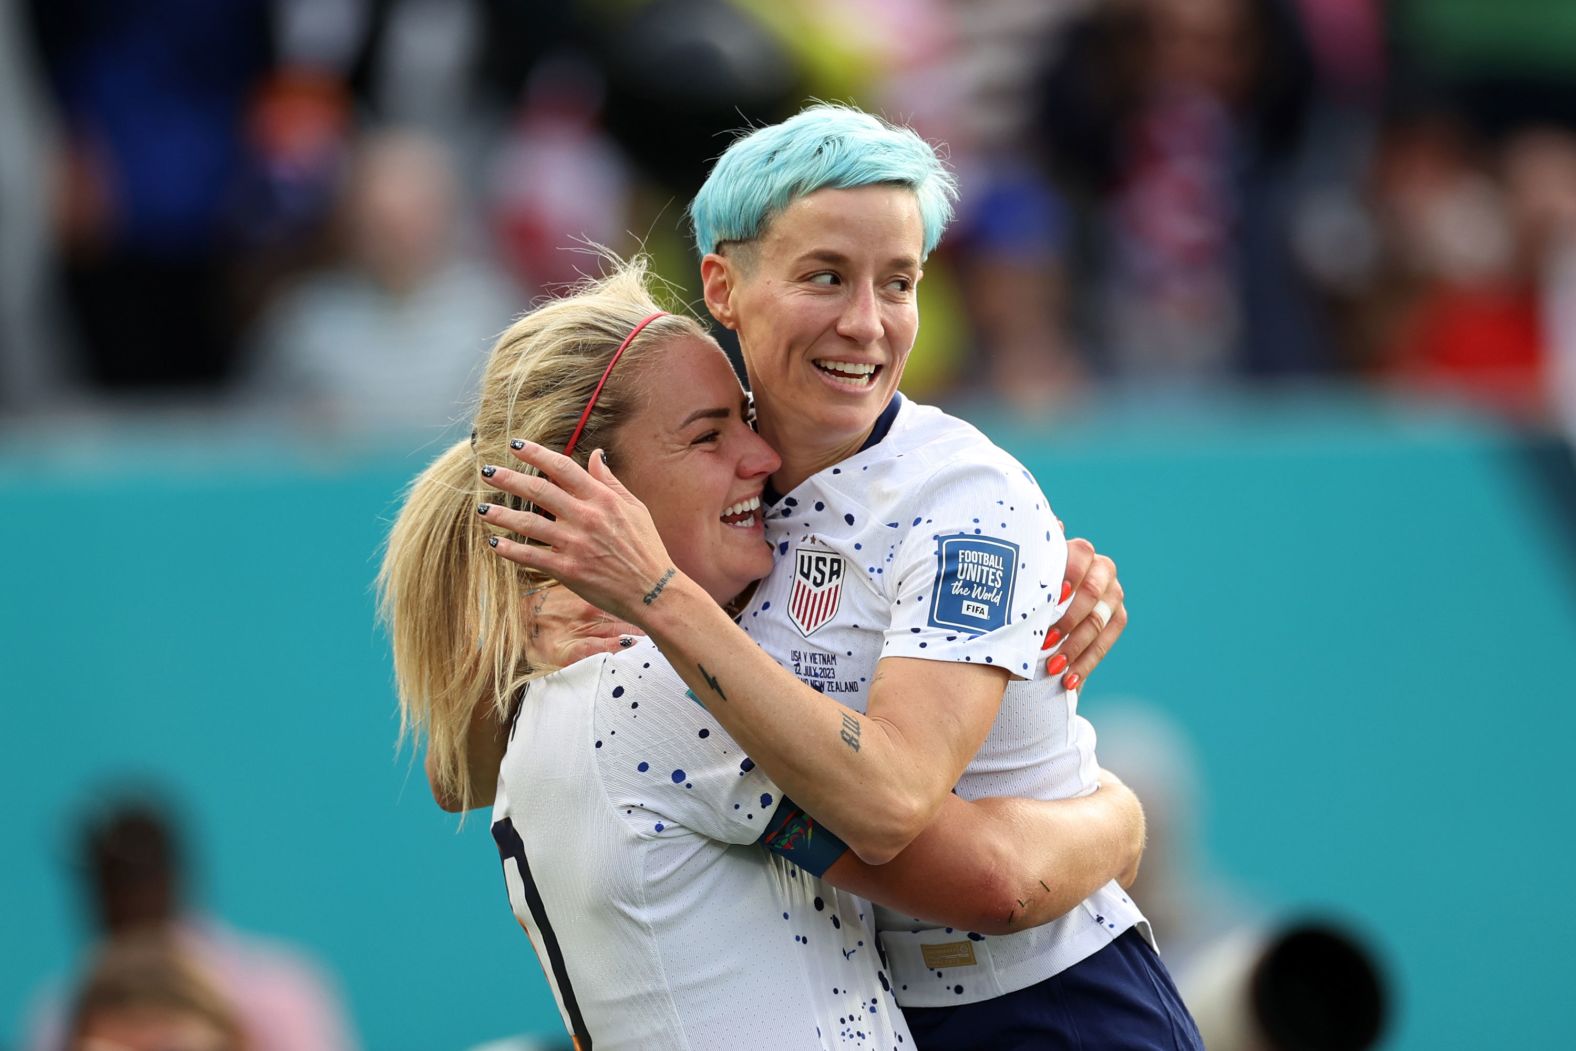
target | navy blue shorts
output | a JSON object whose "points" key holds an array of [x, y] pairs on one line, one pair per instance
{"points": [[1120, 999]]}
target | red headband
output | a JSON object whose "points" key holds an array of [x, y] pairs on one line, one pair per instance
{"points": [[584, 416]]}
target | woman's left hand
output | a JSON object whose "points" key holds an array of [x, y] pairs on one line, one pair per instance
{"points": [[1095, 619], [562, 628], [601, 542]]}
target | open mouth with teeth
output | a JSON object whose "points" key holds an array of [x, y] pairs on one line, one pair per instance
{"points": [[743, 514], [854, 374]]}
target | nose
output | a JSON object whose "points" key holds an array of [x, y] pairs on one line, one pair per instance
{"points": [[860, 320], [756, 458]]}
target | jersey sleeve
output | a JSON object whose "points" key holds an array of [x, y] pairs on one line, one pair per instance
{"points": [[666, 765], [978, 576]]}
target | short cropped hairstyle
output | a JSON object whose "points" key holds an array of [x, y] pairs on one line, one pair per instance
{"points": [[822, 147]]}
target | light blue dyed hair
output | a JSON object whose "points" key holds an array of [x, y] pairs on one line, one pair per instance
{"points": [[821, 147]]}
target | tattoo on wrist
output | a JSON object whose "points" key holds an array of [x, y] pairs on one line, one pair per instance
{"points": [[850, 734], [711, 680], [651, 596]]}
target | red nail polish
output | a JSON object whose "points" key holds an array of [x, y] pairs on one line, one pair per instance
{"points": [[1072, 680], [1057, 664], [1067, 590], [1052, 637]]}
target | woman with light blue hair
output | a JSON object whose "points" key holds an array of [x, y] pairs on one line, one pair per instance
{"points": [[906, 644]]}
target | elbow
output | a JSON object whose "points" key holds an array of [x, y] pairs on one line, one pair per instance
{"points": [[999, 907], [448, 794], [999, 901], [447, 803], [875, 849]]}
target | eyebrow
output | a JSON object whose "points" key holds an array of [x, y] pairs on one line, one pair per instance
{"points": [[706, 414], [827, 255]]}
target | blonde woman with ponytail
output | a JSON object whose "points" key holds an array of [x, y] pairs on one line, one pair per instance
{"points": [[454, 611], [674, 898]]}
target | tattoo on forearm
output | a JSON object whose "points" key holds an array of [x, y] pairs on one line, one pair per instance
{"points": [[850, 734], [651, 596], [711, 680]]}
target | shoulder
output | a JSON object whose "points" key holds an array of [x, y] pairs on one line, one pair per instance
{"points": [[927, 445], [610, 682]]}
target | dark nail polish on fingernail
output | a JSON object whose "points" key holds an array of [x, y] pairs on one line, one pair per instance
{"points": [[1057, 664], [516, 444], [482, 509], [489, 471], [492, 541], [1052, 637], [1072, 680], [626, 641]]}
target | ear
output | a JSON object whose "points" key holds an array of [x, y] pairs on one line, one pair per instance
{"points": [[718, 281]]}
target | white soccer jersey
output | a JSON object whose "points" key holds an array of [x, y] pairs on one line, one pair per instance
{"points": [[627, 819], [934, 543]]}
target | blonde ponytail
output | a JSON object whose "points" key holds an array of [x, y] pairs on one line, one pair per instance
{"points": [[453, 612], [453, 607]]}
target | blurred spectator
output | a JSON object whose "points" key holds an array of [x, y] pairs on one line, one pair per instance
{"points": [[967, 73], [150, 97], [683, 73], [1190, 903], [1174, 126], [29, 358], [389, 338], [558, 180], [143, 994], [135, 878], [1255, 981], [1542, 170], [1470, 284]]}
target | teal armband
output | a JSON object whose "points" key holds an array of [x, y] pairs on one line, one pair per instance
{"points": [[800, 838]]}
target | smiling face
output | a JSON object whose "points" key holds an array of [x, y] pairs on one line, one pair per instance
{"points": [[689, 454], [825, 306]]}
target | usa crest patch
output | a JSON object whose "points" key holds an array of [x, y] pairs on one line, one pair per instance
{"points": [[817, 588], [974, 581]]}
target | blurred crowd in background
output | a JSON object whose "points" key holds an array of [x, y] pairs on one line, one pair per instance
{"points": [[159, 974], [321, 211], [316, 215]]}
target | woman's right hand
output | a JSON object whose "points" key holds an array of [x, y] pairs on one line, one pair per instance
{"points": [[602, 543]]}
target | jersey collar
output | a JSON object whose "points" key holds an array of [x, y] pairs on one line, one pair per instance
{"points": [[770, 495]]}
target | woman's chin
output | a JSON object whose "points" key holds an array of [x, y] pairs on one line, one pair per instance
{"points": [[739, 583]]}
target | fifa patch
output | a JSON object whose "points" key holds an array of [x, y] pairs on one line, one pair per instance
{"points": [[817, 588], [974, 581]]}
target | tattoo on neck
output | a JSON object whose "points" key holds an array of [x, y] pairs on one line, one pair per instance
{"points": [[537, 605], [711, 680], [850, 734], [651, 596]]}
